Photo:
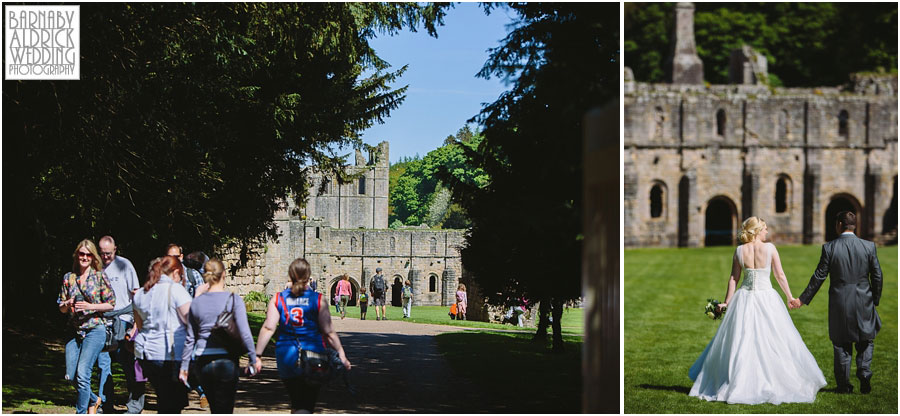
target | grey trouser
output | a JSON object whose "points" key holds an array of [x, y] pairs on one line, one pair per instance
{"points": [[843, 354]]}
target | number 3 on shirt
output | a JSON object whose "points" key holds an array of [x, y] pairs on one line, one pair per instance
{"points": [[297, 316]]}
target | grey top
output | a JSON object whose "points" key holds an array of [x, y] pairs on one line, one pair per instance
{"points": [[205, 309], [123, 280]]}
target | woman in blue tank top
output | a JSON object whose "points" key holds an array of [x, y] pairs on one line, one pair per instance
{"points": [[303, 321]]}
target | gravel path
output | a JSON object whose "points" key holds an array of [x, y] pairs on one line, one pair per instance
{"points": [[396, 369]]}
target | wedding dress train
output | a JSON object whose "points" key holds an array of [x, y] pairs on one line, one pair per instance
{"points": [[757, 355]]}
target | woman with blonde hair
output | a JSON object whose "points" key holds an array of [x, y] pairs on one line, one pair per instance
{"points": [[757, 355], [218, 366], [160, 320], [85, 294], [303, 321]]}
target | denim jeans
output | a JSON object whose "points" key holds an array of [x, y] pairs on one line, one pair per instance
{"points": [[407, 307], [171, 393], [81, 354], [219, 378], [125, 358]]}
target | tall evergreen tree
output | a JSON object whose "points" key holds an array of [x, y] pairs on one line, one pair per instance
{"points": [[561, 60], [189, 124]]}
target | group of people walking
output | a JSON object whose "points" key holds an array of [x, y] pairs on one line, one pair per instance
{"points": [[172, 333]]}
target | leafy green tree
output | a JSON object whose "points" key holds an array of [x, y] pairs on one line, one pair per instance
{"points": [[561, 60], [418, 195], [806, 44], [189, 124]]}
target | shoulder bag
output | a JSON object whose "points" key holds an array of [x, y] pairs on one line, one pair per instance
{"points": [[227, 332]]}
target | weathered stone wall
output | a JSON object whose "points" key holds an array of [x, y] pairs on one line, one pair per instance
{"points": [[353, 205], [736, 142], [430, 259], [251, 276]]}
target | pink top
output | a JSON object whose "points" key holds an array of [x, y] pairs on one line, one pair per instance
{"points": [[343, 288]]}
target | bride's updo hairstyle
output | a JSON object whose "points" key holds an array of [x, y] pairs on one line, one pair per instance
{"points": [[751, 227]]}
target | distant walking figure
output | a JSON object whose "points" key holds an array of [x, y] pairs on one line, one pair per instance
{"points": [[85, 294], [407, 297], [378, 287], [343, 293], [303, 321], [462, 301], [363, 303]]}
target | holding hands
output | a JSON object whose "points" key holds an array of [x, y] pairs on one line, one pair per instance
{"points": [[795, 304]]}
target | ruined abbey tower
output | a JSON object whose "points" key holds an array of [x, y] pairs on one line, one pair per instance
{"points": [[700, 158], [344, 229]]}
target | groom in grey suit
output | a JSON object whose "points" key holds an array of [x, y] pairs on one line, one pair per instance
{"points": [[852, 297]]}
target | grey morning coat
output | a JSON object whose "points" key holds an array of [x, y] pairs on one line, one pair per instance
{"points": [[855, 288]]}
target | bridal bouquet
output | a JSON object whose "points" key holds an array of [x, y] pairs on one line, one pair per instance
{"points": [[711, 309]]}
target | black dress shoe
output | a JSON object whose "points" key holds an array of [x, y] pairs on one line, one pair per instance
{"points": [[865, 385], [848, 389]]}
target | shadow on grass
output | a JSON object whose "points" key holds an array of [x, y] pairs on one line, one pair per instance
{"points": [[522, 375], [677, 389], [34, 363]]}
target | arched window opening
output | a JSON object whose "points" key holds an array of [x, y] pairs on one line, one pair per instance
{"points": [[843, 129], [393, 244], [720, 123], [781, 193], [352, 243], [317, 232], [432, 283], [433, 245], [326, 186], [656, 201], [362, 186]]}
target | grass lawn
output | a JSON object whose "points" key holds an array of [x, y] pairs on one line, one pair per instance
{"points": [[521, 376], [572, 322], [665, 330]]}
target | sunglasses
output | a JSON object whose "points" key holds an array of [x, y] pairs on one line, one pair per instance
{"points": [[83, 254]]}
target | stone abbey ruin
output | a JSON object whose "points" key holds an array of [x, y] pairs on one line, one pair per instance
{"points": [[344, 229], [700, 158]]}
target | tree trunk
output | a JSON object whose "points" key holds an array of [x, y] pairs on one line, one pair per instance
{"points": [[558, 306], [543, 314]]}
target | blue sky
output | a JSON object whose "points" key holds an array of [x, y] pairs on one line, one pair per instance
{"points": [[443, 90]]}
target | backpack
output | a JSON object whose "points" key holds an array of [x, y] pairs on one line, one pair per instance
{"points": [[378, 284], [193, 280], [407, 292]]}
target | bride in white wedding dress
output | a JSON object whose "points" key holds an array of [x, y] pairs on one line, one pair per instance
{"points": [[757, 355]]}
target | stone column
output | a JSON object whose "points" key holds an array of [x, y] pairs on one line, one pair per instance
{"points": [[813, 231], [684, 65], [448, 294], [364, 278], [414, 275], [633, 238], [600, 262]]}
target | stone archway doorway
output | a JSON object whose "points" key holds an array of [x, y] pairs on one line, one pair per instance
{"points": [[396, 289], [841, 202], [721, 221], [354, 291]]}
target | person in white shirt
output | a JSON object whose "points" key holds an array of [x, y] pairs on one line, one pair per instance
{"points": [[124, 281], [160, 315]]}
